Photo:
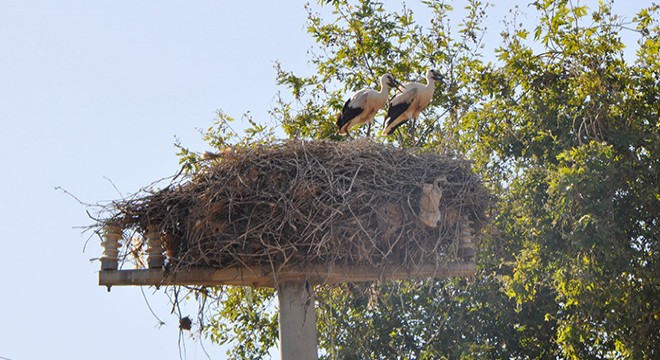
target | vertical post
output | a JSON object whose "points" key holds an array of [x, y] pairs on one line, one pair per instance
{"points": [[110, 257], [155, 257], [297, 321], [466, 246]]}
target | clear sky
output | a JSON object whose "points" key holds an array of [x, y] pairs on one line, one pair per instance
{"points": [[92, 93]]}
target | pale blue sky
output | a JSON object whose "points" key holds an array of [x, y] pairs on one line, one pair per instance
{"points": [[98, 89], [91, 90]]}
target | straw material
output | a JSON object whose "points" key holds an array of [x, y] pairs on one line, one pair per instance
{"points": [[309, 202]]}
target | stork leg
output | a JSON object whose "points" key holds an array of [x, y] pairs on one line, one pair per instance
{"points": [[369, 130], [399, 135], [413, 128]]}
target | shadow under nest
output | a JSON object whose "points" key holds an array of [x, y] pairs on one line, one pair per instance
{"points": [[309, 202]]}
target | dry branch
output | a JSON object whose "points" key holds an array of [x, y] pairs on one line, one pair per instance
{"points": [[306, 203]]}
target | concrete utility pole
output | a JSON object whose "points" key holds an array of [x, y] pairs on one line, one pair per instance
{"points": [[297, 321]]}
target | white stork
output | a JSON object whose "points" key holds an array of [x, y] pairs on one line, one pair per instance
{"points": [[410, 102], [361, 108]]}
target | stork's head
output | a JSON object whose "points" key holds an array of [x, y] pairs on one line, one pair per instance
{"points": [[389, 80], [432, 74]]}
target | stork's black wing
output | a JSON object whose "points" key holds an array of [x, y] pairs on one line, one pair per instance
{"points": [[347, 114], [392, 120]]}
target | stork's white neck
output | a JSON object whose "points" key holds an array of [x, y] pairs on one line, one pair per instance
{"points": [[430, 81], [384, 86]]}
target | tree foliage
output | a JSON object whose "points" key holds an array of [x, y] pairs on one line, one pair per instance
{"points": [[566, 132]]}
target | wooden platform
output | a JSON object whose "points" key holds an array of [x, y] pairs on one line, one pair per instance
{"points": [[268, 277]]}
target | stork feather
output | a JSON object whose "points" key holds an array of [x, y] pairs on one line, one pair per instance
{"points": [[409, 103], [362, 107]]}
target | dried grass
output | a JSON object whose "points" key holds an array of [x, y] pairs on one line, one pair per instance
{"points": [[299, 202]]}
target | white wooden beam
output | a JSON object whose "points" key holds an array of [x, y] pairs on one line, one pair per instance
{"points": [[265, 276]]}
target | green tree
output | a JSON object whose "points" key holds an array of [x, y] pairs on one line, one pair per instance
{"points": [[579, 128], [566, 133]]}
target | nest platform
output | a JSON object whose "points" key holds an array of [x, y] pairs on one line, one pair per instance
{"points": [[324, 211]]}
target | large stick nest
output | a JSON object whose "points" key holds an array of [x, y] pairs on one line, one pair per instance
{"points": [[304, 203]]}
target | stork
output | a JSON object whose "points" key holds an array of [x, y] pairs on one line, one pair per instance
{"points": [[361, 108], [407, 104]]}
